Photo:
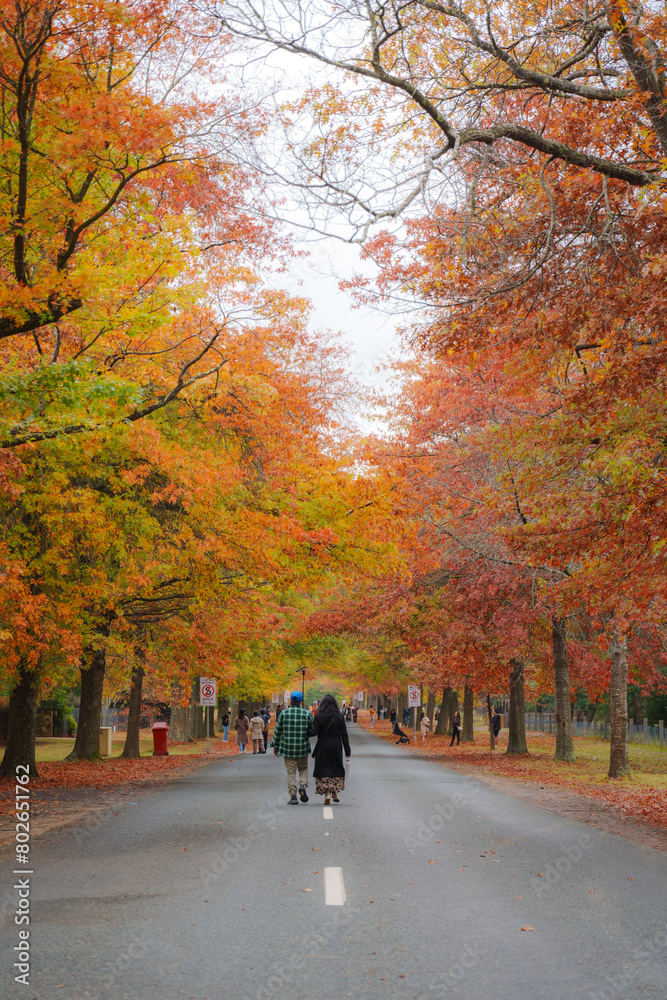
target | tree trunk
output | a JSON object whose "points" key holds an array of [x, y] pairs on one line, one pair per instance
{"points": [[131, 748], [452, 709], [430, 708], [564, 741], [87, 743], [489, 711], [179, 728], [21, 732], [209, 720], [467, 734], [223, 706], [441, 728], [196, 714], [619, 762], [179, 725], [401, 703], [516, 741]]}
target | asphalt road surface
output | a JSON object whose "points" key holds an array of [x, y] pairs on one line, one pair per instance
{"points": [[421, 884]]}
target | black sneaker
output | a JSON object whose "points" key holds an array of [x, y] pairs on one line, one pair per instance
{"points": [[302, 793], [293, 801]]}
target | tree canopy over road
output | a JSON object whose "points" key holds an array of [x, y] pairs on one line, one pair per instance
{"points": [[182, 488]]}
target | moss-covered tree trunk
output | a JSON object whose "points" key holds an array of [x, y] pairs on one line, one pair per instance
{"points": [[467, 733], [131, 748], [22, 725], [87, 742], [516, 741], [564, 740], [619, 761]]}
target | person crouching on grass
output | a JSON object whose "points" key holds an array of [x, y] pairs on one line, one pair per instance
{"points": [[290, 740], [397, 731]]}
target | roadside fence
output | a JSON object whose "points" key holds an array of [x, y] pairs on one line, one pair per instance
{"points": [[545, 722]]}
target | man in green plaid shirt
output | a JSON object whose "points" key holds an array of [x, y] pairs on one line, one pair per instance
{"points": [[290, 741]]}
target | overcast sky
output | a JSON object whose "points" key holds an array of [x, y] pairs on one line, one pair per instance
{"points": [[371, 333]]}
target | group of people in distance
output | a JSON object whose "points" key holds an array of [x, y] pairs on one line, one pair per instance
{"points": [[295, 726], [425, 725], [254, 730]]}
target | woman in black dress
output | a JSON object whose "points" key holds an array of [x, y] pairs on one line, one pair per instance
{"points": [[331, 731]]}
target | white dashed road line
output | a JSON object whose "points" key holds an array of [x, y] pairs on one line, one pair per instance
{"points": [[334, 887], [328, 812]]}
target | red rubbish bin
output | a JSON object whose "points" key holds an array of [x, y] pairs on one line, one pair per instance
{"points": [[160, 730]]}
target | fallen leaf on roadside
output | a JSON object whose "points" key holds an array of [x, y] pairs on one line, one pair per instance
{"points": [[306, 890], [527, 928]]}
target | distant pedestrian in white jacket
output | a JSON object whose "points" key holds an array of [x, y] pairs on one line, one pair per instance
{"points": [[425, 725], [256, 733]]}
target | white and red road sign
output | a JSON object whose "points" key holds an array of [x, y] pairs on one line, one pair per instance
{"points": [[207, 687]]}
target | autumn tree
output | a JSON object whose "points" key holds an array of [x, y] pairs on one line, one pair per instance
{"points": [[529, 150]]}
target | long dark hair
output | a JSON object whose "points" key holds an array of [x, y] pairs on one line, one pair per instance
{"points": [[328, 714]]}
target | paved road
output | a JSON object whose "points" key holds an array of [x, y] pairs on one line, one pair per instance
{"points": [[213, 888]]}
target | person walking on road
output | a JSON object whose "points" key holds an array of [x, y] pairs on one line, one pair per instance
{"points": [[241, 724], [496, 721], [331, 731], [290, 741], [406, 716], [456, 729], [372, 715], [256, 727], [225, 726], [425, 724]]}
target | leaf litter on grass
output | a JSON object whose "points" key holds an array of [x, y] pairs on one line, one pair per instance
{"points": [[642, 797]]}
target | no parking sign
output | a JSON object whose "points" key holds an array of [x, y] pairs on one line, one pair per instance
{"points": [[414, 696], [207, 691]]}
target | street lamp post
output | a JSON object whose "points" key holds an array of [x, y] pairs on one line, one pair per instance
{"points": [[303, 682]]}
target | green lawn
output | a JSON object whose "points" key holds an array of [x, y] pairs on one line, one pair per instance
{"points": [[56, 748]]}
